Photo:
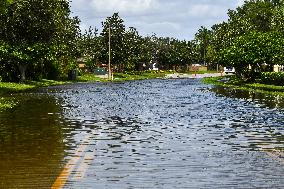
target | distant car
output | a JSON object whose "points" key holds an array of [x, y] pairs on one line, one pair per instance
{"points": [[228, 70]]}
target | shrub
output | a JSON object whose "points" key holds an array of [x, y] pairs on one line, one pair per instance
{"points": [[273, 78]]}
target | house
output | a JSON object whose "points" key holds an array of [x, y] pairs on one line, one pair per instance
{"points": [[198, 67], [82, 64], [278, 68]]}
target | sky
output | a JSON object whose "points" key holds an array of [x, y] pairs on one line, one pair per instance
{"points": [[180, 19]]}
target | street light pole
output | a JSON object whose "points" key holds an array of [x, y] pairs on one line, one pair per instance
{"points": [[109, 55]]}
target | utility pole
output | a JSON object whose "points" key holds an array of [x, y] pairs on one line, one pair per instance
{"points": [[109, 55], [204, 56], [204, 48]]}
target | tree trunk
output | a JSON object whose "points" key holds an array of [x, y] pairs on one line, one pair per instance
{"points": [[23, 68]]}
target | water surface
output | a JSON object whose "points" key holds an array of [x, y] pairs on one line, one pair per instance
{"points": [[145, 134]]}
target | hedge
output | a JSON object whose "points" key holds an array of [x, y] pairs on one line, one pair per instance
{"points": [[272, 78]]}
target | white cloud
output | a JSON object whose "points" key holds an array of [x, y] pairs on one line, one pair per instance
{"points": [[172, 18], [240, 2], [170, 27], [123, 6], [206, 10]]}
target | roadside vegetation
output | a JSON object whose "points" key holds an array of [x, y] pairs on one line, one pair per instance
{"points": [[239, 84], [7, 89]]}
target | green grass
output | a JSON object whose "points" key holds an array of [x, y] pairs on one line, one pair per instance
{"points": [[90, 78], [242, 85], [202, 72], [8, 88], [7, 103], [127, 76], [139, 75]]}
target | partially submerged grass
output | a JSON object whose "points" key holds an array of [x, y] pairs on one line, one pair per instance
{"points": [[7, 103], [233, 82], [8, 88]]}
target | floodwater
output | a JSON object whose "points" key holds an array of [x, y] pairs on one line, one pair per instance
{"points": [[143, 134]]}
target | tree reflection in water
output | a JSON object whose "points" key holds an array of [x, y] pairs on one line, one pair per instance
{"points": [[31, 143]]}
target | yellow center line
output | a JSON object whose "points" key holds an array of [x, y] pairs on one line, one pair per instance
{"points": [[69, 167], [274, 154], [85, 164]]}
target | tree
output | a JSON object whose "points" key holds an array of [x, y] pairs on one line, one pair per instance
{"points": [[132, 46], [4, 4], [250, 53], [38, 32], [89, 47], [203, 39]]}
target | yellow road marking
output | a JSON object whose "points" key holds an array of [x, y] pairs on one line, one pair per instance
{"points": [[69, 167], [85, 164], [274, 154]]}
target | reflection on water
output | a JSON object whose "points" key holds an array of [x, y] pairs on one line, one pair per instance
{"points": [[264, 129], [31, 144], [143, 134], [266, 100]]}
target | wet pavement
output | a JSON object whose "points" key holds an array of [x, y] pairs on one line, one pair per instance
{"points": [[143, 134]]}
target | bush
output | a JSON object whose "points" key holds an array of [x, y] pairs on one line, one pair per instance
{"points": [[272, 78]]}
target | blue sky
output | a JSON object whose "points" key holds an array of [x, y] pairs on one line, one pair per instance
{"points": [[167, 18]]}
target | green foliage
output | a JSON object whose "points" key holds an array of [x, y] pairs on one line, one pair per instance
{"points": [[254, 49], [239, 84], [89, 47], [37, 37], [129, 50], [203, 38], [252, 40], [275, 78]]}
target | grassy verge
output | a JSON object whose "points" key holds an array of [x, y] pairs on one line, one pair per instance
{"points": [[135, 75], [233, 82], [91, 78], [139, 75], [6, 89], [129, 76]]}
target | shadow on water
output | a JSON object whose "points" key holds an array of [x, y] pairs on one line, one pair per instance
{"points": [[266, 100], [31, 143]]}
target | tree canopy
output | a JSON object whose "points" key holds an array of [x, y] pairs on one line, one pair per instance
{"points": [[252, 38], [39, 39], [36, 36]]}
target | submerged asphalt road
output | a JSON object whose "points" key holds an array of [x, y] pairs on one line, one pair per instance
{"points": [[145, 134]]}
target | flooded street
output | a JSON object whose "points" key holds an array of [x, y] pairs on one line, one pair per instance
{"points": [[143, 134]]}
